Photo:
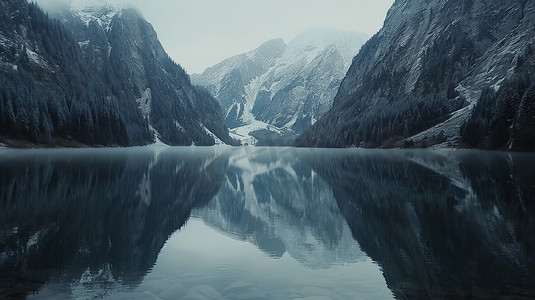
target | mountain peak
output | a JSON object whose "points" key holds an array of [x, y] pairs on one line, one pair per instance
{"points": [[269, 47], [279, 42], [443, 57], [81, 5], [101, 11], [282, 88], [318, 39]]}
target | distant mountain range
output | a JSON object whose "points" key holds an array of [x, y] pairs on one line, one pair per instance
{"points": [[456, 74], [99, 76], [281, 88], [447, 72]]}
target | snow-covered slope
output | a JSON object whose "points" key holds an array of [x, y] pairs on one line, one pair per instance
{"points": [[285, 86]]}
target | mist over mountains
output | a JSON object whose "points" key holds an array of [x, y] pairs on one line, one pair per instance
{"points": [[282, 88], [454, 73], [98, 76], [441, 74]]}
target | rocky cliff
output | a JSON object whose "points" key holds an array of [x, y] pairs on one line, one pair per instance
{"points": [[418, 80]]}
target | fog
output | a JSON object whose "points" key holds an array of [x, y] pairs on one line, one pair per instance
{"points": [[200, 33]]}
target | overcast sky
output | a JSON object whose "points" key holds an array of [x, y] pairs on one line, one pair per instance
{"points": [[200, 33]]}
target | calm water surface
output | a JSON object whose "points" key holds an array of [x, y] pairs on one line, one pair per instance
{"points": [[266, 223]]}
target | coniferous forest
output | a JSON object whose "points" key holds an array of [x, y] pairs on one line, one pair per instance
{"points": [[78, 82], [147, 208], [458, 74], [54, 92]]}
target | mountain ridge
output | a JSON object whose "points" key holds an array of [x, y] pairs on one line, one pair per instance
{"points": [[281, 93], [417, 81], [97, 80]]}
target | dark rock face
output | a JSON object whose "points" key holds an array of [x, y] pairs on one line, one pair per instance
{"points": [[109, 81], [177, 112], [232, 97], [418, 79]]}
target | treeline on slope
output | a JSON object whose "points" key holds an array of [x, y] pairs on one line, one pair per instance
{"points": [[380, 112], [181, 114], [504, 119], [387, 123], [53, 94]]}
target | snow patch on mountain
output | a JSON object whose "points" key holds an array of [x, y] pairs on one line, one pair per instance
{"points": [[36, 58], [145, 106], [101, 11], [5, 41], [216, 139], [279, 87], [243, 133], [145, 103], [310, 44], [449, 129]]}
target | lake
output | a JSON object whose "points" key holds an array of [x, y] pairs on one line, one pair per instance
{"points": [[266, 223]]}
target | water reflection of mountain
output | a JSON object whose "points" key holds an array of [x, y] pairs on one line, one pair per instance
{"points": [[95, 219], [276, 202], [442, 225], [448, 225]]}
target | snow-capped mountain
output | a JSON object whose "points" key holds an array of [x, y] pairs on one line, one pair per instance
{"points": [[97, 10], [279, 87], [421, 77]]}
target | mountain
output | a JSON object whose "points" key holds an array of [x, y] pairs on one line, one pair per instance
{"points": [[229, 79], [99, 76], [281, 88], [460, 73]]}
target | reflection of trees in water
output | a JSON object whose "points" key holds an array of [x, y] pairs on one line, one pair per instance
{"points": [[440, 225], [80, 214]]}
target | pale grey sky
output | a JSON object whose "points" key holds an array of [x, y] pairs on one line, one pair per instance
{"points": [[200, 33]]}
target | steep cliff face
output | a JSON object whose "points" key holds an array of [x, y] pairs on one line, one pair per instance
{"points": [[418, 79], [120, 39], [279, 87], [105, 77]]}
